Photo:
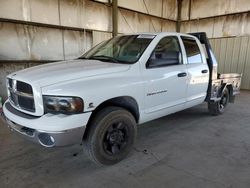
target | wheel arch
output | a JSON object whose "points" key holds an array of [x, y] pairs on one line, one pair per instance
{"points": [[126, 102]]}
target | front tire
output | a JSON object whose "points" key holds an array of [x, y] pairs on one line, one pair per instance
{"points": [[217, 108], [111, 135]]}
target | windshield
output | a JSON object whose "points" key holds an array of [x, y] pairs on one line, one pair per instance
{"points": [[121, 49]]}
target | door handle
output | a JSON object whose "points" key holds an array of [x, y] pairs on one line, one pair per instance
{"points": [[204, 71], [182, 74]]}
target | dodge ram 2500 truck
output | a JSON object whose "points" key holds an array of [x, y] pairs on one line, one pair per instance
{"points": [[101, 97]]}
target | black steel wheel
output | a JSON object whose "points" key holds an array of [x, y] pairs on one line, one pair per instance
{"points": [[111, 136], [224, 100], [217, 108], [115, 138]]}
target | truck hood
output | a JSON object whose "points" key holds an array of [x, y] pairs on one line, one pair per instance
{"points": [[53, 73]]}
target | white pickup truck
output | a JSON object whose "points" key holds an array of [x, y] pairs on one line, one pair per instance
{"points": [[101, 97]]}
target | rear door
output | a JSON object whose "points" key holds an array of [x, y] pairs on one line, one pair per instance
{"points": [[198, 72]]}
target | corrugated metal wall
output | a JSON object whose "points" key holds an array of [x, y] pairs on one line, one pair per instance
{"points": [[34, 32], [62, 29], [223, 18], [233, 55], [38, 31], [227, 24]]}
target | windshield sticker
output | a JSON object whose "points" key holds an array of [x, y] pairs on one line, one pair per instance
{"points": [[145, 36]]}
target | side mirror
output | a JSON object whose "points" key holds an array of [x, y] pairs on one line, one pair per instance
{"points": [[164, 59], [152, 61]]}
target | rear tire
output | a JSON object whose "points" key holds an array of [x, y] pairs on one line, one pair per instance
{"points": [[111, 136], [217, 108]]}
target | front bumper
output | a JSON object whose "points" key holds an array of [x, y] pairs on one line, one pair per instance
{"points": [[48, 130]]}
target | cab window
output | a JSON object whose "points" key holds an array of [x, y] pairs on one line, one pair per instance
{"points": [[192, 50], [166, 53]]}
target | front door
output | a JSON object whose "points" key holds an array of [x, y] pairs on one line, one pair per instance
{"points": [[165, 77]]}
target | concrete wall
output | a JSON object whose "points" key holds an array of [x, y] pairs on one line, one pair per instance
{"points": [[33, 32]]}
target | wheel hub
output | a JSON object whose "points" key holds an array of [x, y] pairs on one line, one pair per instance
{"points": [[116, 137]]}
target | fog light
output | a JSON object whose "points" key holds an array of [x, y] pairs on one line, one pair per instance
{"points": [[46, 140]]}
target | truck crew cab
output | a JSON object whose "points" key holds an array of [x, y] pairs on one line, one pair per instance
{"points": [[101, 97]]}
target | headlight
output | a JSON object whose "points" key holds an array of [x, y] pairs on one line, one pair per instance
{"points": [[65, 105]]}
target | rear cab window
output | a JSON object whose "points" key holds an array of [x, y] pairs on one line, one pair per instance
{"points": [[192, 50]]}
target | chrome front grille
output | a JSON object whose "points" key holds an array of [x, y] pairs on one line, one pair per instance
{"points": [[21, 95]]}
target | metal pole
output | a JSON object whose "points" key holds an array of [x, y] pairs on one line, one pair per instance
{"points": [[189, 10], [114, 18], [178, 23]]}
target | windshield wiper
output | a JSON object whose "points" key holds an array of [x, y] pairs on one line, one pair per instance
{"points": [[82, 58], [105, 58]]}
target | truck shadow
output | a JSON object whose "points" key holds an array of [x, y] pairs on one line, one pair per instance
{"points": [[178, 120]]}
